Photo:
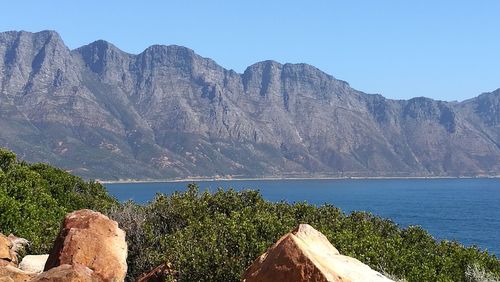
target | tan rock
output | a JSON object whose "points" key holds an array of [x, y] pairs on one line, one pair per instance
{"points": [[33, 263], [91, 239], [158, 274], [68, 273], [8, 256], [13, 274], [306, 255], [5, 246]]}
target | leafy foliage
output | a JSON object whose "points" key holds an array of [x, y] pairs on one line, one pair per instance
{"points": [[216, 236], [34, 199]]}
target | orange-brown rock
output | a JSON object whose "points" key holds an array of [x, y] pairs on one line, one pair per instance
{"points": [[91, 239], [68, 273], [306, 255], [10, 273], [158, 274], [7, 255]]}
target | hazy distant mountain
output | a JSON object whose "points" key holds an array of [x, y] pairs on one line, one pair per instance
{"points": [[169, 112]]}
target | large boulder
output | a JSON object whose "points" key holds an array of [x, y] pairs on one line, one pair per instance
{"points": [[33, 263], [10, 273], [93, 240], [69, 273], [306, 255]]}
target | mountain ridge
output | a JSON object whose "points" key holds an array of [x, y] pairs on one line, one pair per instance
{"points": [[168, 112]]}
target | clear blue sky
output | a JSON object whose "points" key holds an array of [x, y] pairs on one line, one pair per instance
{"points": [[447, 50]]}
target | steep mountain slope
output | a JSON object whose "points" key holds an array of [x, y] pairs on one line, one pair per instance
{"points": [[168, 112]]}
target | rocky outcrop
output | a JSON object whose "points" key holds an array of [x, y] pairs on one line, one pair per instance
{"points": [[7, 257], [69, 273], [306, 255], [89, 248], [8, 260], [92, 240], [9, 246], [33, 263], [10, 273]]}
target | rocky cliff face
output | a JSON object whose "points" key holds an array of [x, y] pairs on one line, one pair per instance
{"points": [[167, 112]]}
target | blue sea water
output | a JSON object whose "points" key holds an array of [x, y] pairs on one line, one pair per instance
{"points": [[465, 210]]}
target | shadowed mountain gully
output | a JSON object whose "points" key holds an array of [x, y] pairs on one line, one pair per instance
{"points": [[167, 112]]}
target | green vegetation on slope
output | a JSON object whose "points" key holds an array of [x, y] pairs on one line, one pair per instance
{"points": [[216, 236], [34, 198]]}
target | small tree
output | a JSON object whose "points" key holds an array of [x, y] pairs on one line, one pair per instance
{"points": [[7, 158]]}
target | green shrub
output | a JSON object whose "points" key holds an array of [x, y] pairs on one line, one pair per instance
{"points": [[216, 236], [34, 199]]}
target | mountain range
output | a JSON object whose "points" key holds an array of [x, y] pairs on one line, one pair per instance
{"points": [[167, 112]]}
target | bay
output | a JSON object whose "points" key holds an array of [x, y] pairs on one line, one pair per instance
{"points": [[464, 210]]}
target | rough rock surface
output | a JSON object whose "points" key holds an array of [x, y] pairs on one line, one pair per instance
{"points": [[306, 255], [91, 239], [6, 256], [10, 273], [168, 112], [17, 243], [8, 250], [69, 273], [33, 263]]}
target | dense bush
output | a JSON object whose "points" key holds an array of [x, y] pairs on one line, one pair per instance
{"points": [[216, 236], [35, 197]]}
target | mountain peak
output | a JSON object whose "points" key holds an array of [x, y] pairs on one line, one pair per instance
{"points": [[265, 63], [42, 33], [102, 44], [176, 56], [98, 54], [37, 39], [169, 50], [46, 32]]}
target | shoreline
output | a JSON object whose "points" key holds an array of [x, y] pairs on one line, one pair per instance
{"points": [[208, 179]]}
